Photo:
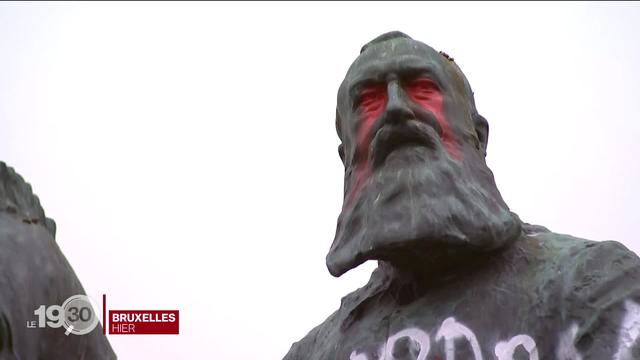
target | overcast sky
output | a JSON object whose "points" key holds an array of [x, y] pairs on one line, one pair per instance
{"points": [[188, 152]]}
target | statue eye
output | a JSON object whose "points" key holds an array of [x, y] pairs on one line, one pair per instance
{"points": [[372, 98], [422, 88]]}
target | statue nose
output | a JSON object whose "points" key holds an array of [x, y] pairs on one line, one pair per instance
{"points": [[398, 108]]}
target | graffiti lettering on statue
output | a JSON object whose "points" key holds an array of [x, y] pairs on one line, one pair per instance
{"points": [[567, 345], [629, 332], [413, 343], [450, 331], [504, 350], [408, 342]]}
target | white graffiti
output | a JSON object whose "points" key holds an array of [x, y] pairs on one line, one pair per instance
{"points": [[419, 343], [421, 337], [355, 356], [629, 332], [566, 346], [386, 351], [504, 350], [450, 331]]}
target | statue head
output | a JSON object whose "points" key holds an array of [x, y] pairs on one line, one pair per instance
{"points": [[416, 188]]}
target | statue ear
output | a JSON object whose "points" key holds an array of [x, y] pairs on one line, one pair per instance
{"points": [[482, 131]]}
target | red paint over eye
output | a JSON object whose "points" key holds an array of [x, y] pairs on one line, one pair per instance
{"points": [[422, 89], [371, 103], [372, 99], [425, 92]]}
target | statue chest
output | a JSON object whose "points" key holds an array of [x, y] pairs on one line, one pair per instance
{"points": [[501, 321]]}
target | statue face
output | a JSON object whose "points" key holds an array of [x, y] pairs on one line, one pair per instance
{"points": [[416, 183]]}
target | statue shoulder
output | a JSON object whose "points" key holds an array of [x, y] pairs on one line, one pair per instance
{"points": [[578, 255], [583, 271], [320, 343], [596, 288], [603, 272], [596, 260], [314, 345], [604, 289]]}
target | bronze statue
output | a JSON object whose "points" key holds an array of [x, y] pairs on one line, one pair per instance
{"points": [[35, 274], [459, 275]]}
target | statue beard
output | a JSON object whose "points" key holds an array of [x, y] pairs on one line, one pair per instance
{"points": [[421, 207]]}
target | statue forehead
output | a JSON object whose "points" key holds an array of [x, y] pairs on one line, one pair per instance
{"points": [[393, 55]]}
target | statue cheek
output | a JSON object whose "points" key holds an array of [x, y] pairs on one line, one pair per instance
{"points": [[369, 112], [432, 101], [362, 167]]}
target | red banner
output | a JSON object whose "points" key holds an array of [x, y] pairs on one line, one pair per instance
{"points": [[143, 322]]}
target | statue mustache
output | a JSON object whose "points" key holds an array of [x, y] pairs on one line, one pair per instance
{"points": [[390, 135]]}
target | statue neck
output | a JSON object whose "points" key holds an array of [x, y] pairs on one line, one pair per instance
{"points": [[440, 268]]}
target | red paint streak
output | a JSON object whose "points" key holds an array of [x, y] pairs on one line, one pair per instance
{"points": [[104, 313], [372, 101], [424, 92]]}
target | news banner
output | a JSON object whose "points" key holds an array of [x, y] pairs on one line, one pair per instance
{"points": [[77, 316]]}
